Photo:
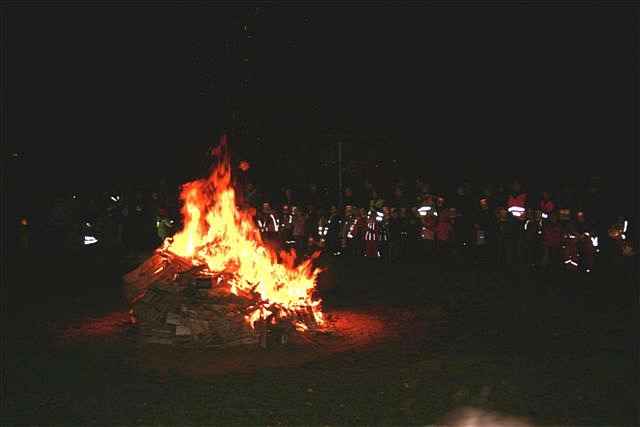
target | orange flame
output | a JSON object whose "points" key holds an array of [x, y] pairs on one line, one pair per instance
{"points": [[218, 234]]}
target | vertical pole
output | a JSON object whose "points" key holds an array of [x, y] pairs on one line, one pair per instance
{"points": [[340, 174]]}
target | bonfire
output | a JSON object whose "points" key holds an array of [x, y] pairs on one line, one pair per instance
{"points": [[216, 283]]}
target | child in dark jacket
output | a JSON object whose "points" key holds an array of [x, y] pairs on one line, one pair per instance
{"points": [[552, 236]]}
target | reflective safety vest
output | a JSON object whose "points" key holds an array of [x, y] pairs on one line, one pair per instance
{"points": [[547, 206], [518, 201], [516, 205], [373, 230], [427, 231], [285, 221], [383, 235], [323, 229], [348, 230], [268, 223]]}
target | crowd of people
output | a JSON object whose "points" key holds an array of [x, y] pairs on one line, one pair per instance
{"points": [[506, 228], [490, 226]]}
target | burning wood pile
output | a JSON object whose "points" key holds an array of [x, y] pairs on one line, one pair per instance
{"points": [[215, 283]]}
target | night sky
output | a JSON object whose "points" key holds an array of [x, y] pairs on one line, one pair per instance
{"points": [[106, 95]]}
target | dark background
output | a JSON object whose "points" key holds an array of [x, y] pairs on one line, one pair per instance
{"points": [[127, 96], [100, 98]]}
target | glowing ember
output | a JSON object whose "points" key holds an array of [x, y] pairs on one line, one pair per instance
{"points": [[244, 166], [220, 236]]}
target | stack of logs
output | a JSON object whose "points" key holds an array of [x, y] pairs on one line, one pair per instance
{"points": [[174, 302]]}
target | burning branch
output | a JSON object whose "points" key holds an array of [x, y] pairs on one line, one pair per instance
{"points": [[220, 243]]}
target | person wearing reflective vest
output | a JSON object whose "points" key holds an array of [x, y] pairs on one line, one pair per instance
{"points": [[358, 231], [372, 234], [429, 221], [322, 228], [569, 244], [164, 224], [587, 242], [383, 235], [517, 206], [285, 221], [346, 234], [268, 224], [546, 205], [533, 237]]}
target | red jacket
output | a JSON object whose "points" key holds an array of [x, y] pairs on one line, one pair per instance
{"points": [[444, 231], [547, 206], [428, 227], [552, 235], [519, 200]]}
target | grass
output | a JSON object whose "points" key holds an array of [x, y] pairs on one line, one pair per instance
{"points": [[550, 348]]}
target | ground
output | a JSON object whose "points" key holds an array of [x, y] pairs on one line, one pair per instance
{"points": [[416, 342]]}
